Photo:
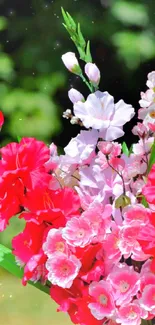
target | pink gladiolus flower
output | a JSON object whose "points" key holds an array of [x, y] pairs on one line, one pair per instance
{"points": [[100, 112], [131, 314], [70, 61], [62, 269], [81, 149], [78, 232], [93, 73], [125, 283], [75, 96], [103, 305]]}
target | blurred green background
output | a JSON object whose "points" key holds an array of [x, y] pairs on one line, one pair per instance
{"points": [[34, 85]]}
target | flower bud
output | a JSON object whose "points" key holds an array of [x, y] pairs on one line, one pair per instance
{"points": [[74, 120], [75, 96], [122, 201], [70, 61], [93, 73]]}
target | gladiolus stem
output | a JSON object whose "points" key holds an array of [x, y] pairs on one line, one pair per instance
{"points": [[86, 82]]}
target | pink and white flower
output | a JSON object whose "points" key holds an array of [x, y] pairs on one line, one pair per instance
{"points": [[100, 112], [103, 305], [151, 80], [62, 269], [78, 232], [146, 98], [55, 242], [125, 283], [81, 149], [131, 314], [147, 300]]}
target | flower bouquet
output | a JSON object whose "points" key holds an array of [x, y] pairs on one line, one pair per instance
{"points": [[89, 236]]}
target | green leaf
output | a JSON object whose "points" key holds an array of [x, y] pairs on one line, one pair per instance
{"points": [[88, 56], [125, 149], [71, 21], [7, 261], [81, 38], [152, 158], [77, 37], [144, 202], [18, 138]]}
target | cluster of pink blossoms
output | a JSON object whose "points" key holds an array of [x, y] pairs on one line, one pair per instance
{"points": [[88, 234]]}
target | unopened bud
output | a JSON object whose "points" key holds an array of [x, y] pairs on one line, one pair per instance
{"points": [[93, 73], [75, 96], [70, 61], [67, 114], [74, 120], [122, 201]]}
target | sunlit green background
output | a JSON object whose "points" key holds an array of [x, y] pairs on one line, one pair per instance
{"points": [[33, 93]]}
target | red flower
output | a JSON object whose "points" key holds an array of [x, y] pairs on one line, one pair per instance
{"points": [[1, 119]]}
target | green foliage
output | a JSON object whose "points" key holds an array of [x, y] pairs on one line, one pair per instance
{"points": [[130, 13], [6, 67], [3, 23], [74, 31], [134, 47], [152, 158], [125, 149]]}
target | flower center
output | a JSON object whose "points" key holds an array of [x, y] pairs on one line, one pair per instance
{"points": [[124, 286], [103, 299], [60, 246], [65, 269], [132, 314], [152, 114], [80, 233]]}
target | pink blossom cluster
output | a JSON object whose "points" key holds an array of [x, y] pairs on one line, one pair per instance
{"points": [[90, 213]]}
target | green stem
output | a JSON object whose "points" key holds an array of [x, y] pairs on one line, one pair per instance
{"points": [[7, 262], [86, 82]]}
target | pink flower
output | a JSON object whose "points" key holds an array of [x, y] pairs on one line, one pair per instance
{"points": [[78, 232], [125, 283], [143, 146], [146, 98], [131, 314], [147, 300], [81, 149], [128, 244], [99, 218], [100, 112], [62, 269], [70, 61], [137, 212], [151, 80], [54, 242], [140, 130], [75, 96], [93, 73], [103, 305]]}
